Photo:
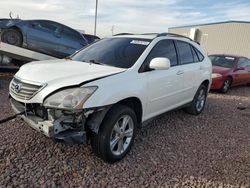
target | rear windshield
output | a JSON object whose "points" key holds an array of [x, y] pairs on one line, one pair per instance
{"points": [[117, 52], [222, 61]]}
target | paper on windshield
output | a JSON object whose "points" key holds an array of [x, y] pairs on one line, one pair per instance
{"points": [[140, 42]]}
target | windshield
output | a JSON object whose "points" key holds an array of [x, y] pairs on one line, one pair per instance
{"points": [[117, 52], [222, 61]]}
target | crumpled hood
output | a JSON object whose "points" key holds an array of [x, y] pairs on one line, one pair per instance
{"points": [[65, 72]]}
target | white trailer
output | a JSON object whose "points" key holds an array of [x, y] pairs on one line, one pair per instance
{"points": [[9, 52]]}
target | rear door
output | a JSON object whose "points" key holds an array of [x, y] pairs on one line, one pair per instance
{"points": [[190, 62], [164, 87]]}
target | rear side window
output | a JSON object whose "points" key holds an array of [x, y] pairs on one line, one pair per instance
{"points": [[72, 34], [185, 52], [164, 48], [200, 56], [195, 56]]}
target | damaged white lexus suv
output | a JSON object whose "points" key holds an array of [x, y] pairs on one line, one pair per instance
{"points": [[107, 90]]}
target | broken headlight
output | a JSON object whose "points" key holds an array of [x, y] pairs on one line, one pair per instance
{"points": [[70, 98]]}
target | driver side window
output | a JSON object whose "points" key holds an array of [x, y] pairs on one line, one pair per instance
{"points": [[243, 62], [164, 48], [44, 25]]}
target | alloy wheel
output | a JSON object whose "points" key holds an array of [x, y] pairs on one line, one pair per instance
{"points": [[226, 85], [201, 100], [121, 135]]}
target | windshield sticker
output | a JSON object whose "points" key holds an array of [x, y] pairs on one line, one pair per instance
{"points": [[230, 58], [140, 42]]}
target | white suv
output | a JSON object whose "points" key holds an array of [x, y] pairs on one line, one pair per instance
{"points": [[107, 90]]}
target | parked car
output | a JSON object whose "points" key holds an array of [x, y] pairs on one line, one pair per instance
{"points": [[112, 87], [43, 36], [90, 38], [229, 70]]}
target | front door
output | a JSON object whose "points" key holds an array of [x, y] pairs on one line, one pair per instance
{"points": [[164, 87], [44, 37], [242, 72]]}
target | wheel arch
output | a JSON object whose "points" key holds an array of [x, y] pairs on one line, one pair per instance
{"points": [[206, 83], [135, 104], [95, 120], [231, 77]]}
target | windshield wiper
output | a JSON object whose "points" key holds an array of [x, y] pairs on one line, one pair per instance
{"points": [[95, 62], [68, 58]]}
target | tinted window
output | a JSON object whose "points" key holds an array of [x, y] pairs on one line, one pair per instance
{"points": [[248, 63], [200, 56], [185, 52], [90, 38], [222, 61], [71, 34], [195, 56], [244, 62], [49, 26], [117, 52], [164, 48]]}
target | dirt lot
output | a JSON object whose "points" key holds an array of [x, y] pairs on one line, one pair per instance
{"points": [[177, 149]]}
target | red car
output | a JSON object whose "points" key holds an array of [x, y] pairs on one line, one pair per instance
{"points": [[229, 70]]}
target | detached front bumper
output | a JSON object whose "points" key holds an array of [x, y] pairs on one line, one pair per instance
{"points": [[66, 128], [39, 124]]}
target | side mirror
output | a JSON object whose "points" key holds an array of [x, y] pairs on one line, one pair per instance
{"points": [[159, 63]]}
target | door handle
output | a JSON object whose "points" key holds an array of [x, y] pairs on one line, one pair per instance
{"points": [[180, 72]]}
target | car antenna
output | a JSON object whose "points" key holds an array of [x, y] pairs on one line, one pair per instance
{"points": [[10, 15]]}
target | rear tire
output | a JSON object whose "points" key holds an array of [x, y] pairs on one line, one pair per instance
{"points": [[199, 101], [116, 134], [12, 36], [226, 85]]}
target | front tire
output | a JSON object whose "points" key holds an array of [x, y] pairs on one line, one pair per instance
{"points": [[12, 36], [199, 101], [116, 134], [226, 85]]}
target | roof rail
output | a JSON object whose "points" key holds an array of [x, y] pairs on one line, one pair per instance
{"points": [[148, 34], [118, 34], [160, 35], [173, 34]]}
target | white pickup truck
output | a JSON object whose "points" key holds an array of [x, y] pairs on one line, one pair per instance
{"points": [[107, 90]]}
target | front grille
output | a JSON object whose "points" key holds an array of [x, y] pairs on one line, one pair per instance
{"points": [[24, 90]]}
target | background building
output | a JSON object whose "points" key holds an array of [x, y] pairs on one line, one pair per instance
{"points": [[231, 37]]}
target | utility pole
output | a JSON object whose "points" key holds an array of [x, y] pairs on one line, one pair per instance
{"points": [[96, 6]]}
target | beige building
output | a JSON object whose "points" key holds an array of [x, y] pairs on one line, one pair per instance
{"points": [[231, 37]]}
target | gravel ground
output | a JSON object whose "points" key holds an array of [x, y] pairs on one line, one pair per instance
{"points": [[175, 150]]}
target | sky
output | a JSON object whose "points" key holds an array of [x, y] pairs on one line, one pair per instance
{"points": [[133, 16]]}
